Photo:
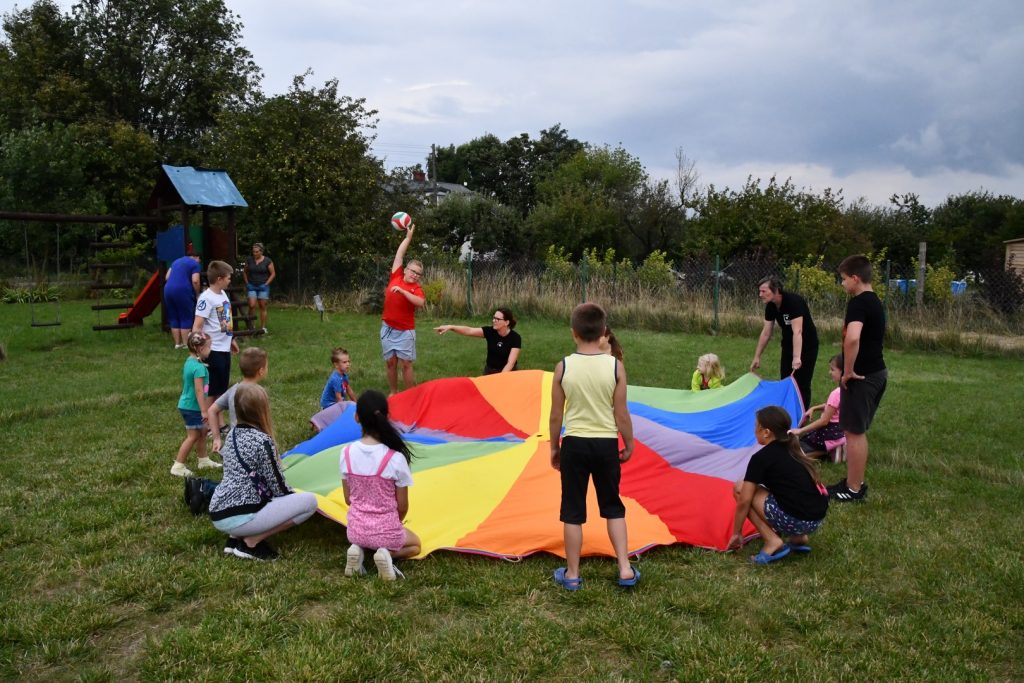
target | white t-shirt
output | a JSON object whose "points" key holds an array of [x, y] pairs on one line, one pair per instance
{"points": [[216, 309], [366, 460]]}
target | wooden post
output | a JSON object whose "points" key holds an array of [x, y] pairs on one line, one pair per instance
{"points": [[922, 251]]}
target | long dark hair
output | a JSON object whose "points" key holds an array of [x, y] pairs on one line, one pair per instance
{"points": [[372, 410], [776, 420]]}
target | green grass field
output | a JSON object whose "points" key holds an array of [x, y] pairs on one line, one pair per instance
{"points": [[106, 577]]}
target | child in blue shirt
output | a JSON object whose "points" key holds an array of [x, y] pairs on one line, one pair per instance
{"points": [[193, 404], [337, 388]]}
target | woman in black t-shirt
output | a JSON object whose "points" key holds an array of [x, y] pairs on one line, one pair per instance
{"points": [[503, 342], [780, 493]]}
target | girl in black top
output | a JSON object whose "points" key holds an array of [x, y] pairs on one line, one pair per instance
{"points": [[780, 493]]}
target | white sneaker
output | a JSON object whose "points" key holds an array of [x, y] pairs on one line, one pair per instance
{"points": [[385, 565], [354, 561], [207, 464], [179, 470]]}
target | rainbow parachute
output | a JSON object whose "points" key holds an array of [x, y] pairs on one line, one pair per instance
{"points": [[484, 482]]}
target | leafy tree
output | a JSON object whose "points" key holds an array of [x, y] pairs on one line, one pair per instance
{"points": [[970, 229], [490, 225], [303, 163]]}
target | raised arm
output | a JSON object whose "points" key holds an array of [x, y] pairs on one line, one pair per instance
{"points": [[464, 330], [402, 248]]}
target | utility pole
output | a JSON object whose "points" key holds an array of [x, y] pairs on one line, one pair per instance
{"points": [[433, 173]]}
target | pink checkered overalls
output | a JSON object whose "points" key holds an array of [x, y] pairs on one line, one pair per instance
{"points": [[373, 514]]}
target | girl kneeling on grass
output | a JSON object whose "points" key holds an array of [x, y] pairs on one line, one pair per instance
{"points": [[252, 501], [376, 485], [780, 493]]}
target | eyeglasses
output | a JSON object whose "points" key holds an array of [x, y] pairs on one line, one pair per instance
{"points": [[417, 273], [496, 319]]}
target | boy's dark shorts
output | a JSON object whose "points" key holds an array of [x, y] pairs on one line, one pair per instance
{"points": [[581, 458], [859, 401], [219, 363]]}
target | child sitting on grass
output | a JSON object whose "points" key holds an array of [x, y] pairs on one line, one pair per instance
{"points": [[194, 405], [337, 388], [780, 493], [253, 364], [709, 373], [376, 485], [824, 434]]}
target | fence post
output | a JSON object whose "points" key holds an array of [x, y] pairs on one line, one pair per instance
{"points": [[718, 279], [583, 279], [469, 284], [922, 251], [888, 288]]}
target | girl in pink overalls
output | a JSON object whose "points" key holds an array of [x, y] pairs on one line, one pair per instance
{"points": [[376, 477]]}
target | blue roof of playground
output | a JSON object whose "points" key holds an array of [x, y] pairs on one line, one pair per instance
{"points": [[204, 187]]}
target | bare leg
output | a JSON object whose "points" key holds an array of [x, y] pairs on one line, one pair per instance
{"points": [[191, 436], [263, 312], [253, 541], [392, 367], [411, 548], [772, 541], [253, 304], [856, 460], [573, 537], [801, 539], [617, 534], [408, 378], [201, 443]]}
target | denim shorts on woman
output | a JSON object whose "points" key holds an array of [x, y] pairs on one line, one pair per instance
{"points": [[193, 418], [258, 291], [784, 524]]}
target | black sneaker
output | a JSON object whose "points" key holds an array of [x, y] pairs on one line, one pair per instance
{"points": [[262, 551], [230, 545], [841, 493]]}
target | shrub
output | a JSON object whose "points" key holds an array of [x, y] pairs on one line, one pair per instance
{"points": [[814, 283], [655, 272]]}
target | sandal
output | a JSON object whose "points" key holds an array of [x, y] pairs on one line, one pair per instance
{"points": [[629, 583], [764, 558], [567, 583]]}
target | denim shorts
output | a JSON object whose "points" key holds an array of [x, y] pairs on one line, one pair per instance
{"points": [[784, 524], [193, 418], [258, 291]]}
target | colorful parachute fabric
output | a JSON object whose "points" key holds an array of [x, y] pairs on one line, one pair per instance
{"points": [[484, 482]]}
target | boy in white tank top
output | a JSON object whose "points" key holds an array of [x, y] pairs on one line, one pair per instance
{"points": [[589, 391]]}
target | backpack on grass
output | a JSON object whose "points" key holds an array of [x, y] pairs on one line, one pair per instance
{"points": [[198, 493]]}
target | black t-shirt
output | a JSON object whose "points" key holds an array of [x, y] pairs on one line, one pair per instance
{"points": [[258, 273], [867, 308], [794, 489], [499, 347], [790, 308]]}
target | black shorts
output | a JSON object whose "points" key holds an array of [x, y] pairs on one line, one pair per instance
{"points": [[581, 458], [859, 401], [219, 363]]}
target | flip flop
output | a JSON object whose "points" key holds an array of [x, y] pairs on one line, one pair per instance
{"points": [[567, 583], [799, 548], [764, 558], [629, 583]]}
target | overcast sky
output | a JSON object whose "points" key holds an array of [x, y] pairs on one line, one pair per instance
{"points": [[873, 97]]}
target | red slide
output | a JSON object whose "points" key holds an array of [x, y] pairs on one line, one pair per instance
{"points": [[145, 303]]}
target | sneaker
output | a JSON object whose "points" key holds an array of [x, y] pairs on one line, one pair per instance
{"points": [[207, 464], [264, 330], [385, 565], [841, 493], [180, 346], [230, 545], [178, 469], [261, 551], [354, 561]]}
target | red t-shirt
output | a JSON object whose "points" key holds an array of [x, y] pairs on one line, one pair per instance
{"points": [[399, 313]]}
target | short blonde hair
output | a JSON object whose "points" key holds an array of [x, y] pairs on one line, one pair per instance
{"points": [[709, 366]]}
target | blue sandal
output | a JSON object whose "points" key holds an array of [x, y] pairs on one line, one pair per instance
{"points": [[567, 583], [629, 583], [800, 548], [764, 558]]}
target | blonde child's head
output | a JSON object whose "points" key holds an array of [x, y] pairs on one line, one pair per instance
{"points": [[709, 366], [253, 363], [340, 360], [252, 407], [199, 344]]}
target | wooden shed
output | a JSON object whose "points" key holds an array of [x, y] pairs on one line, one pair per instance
{"points": [[1015, 256]]}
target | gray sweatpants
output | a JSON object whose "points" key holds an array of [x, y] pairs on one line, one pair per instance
{"points": [[295, 507]]}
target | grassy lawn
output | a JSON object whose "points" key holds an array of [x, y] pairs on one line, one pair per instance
{"points": [[106, 577]]}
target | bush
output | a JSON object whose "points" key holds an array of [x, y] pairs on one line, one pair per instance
{"points": [[814, 283], [655, 272]]}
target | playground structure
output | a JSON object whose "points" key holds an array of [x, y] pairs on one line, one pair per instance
{"points": [[180, 193]]}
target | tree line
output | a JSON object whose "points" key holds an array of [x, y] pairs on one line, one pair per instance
{"points": [[92, 101]]}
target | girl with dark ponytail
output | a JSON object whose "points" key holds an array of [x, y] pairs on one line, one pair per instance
{"points": [[376, 486], [781, 493]]}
